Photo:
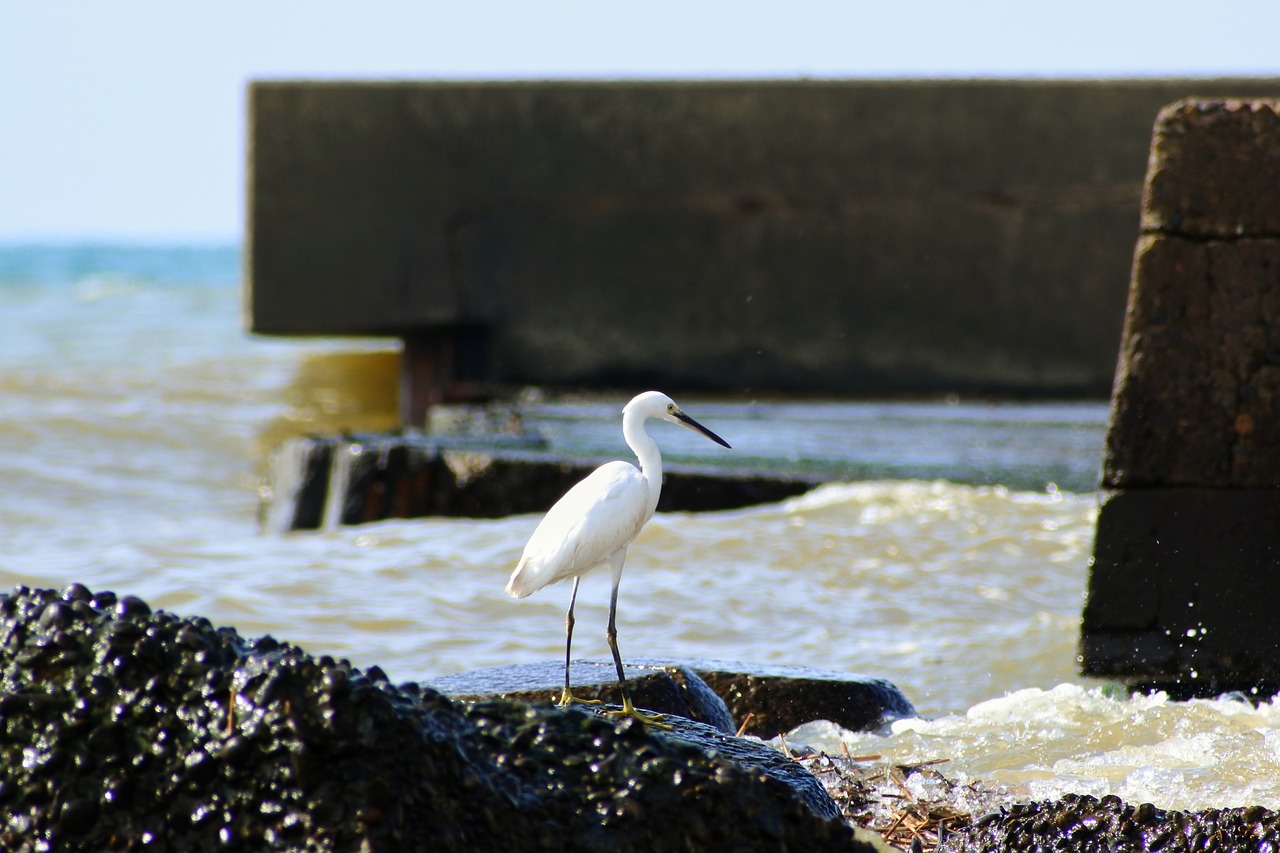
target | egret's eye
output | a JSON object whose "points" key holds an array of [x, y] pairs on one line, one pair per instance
{"points": [[671, 410]]}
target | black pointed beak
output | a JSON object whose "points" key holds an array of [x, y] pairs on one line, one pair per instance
{"points": [[685, 420]]}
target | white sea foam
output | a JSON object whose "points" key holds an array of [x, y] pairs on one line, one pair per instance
{"points": [[1073, 739]]}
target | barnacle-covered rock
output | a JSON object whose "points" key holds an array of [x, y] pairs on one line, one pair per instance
{"points": [[1091, 825], [127, 729]]}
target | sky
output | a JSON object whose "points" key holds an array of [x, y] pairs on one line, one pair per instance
{"points": [[125, 121]]}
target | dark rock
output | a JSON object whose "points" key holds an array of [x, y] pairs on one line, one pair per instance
{"points": [[78, 816], [1087, 824], [211, 741], [752, 753], [668, 688], [774, 699], [769, 699]]}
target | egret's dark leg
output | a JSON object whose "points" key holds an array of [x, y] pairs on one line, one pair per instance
{"points": [[628, 709], [567, 697], [611, 634]]}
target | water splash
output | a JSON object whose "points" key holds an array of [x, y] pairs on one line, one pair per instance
{"points": [[1073, 739]]}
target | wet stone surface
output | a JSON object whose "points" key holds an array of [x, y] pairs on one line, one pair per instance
{"points": [[127, 729], [1088, 824], [667, 689]]}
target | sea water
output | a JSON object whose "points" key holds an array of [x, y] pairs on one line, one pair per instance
{"points": [[948, 554]]}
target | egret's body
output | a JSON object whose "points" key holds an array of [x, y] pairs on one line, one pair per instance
{"points": [[595, 521]]}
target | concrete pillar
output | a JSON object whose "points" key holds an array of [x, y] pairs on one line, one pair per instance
{"points": [[442, 364], [1184, 591]]}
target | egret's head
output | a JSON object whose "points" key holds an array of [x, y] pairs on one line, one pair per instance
{"points": [[655, 404]]}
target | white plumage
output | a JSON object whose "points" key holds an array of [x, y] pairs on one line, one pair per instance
{"points": [[584, 529], [595, 521]]}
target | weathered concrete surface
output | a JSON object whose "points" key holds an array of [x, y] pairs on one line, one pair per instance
{"points": [[323, 481], [1187, 552], [131, 729], [1215, 170], [1198, 384], [764, 701], [833, 236]]}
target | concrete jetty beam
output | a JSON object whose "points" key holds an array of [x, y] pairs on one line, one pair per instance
{"points": [[850, 237], [1186, 571]]}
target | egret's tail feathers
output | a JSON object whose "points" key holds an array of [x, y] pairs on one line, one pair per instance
{"points": [[519, 586]]}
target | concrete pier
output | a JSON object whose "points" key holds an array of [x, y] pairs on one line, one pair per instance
{"points": [[849, 237], [1186, 568]]}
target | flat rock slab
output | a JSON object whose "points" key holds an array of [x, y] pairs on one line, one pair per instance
{"points": [[668, 689], [763, 700]]}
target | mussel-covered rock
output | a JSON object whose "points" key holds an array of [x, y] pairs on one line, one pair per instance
{"points": [[124, 728], [1091, 825]]}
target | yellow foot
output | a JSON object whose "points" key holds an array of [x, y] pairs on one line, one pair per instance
{"points": [[566, 699], [629, 710]]}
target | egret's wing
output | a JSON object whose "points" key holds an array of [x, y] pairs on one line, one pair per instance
{"points": [[594, 519]]}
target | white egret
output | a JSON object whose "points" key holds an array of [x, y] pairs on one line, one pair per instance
{"points": [[595, 521]]}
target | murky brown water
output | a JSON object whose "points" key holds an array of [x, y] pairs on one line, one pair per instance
{"points": [[131, 459]]}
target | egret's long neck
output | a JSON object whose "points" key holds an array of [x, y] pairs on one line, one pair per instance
{"points": [[646, 450]]}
